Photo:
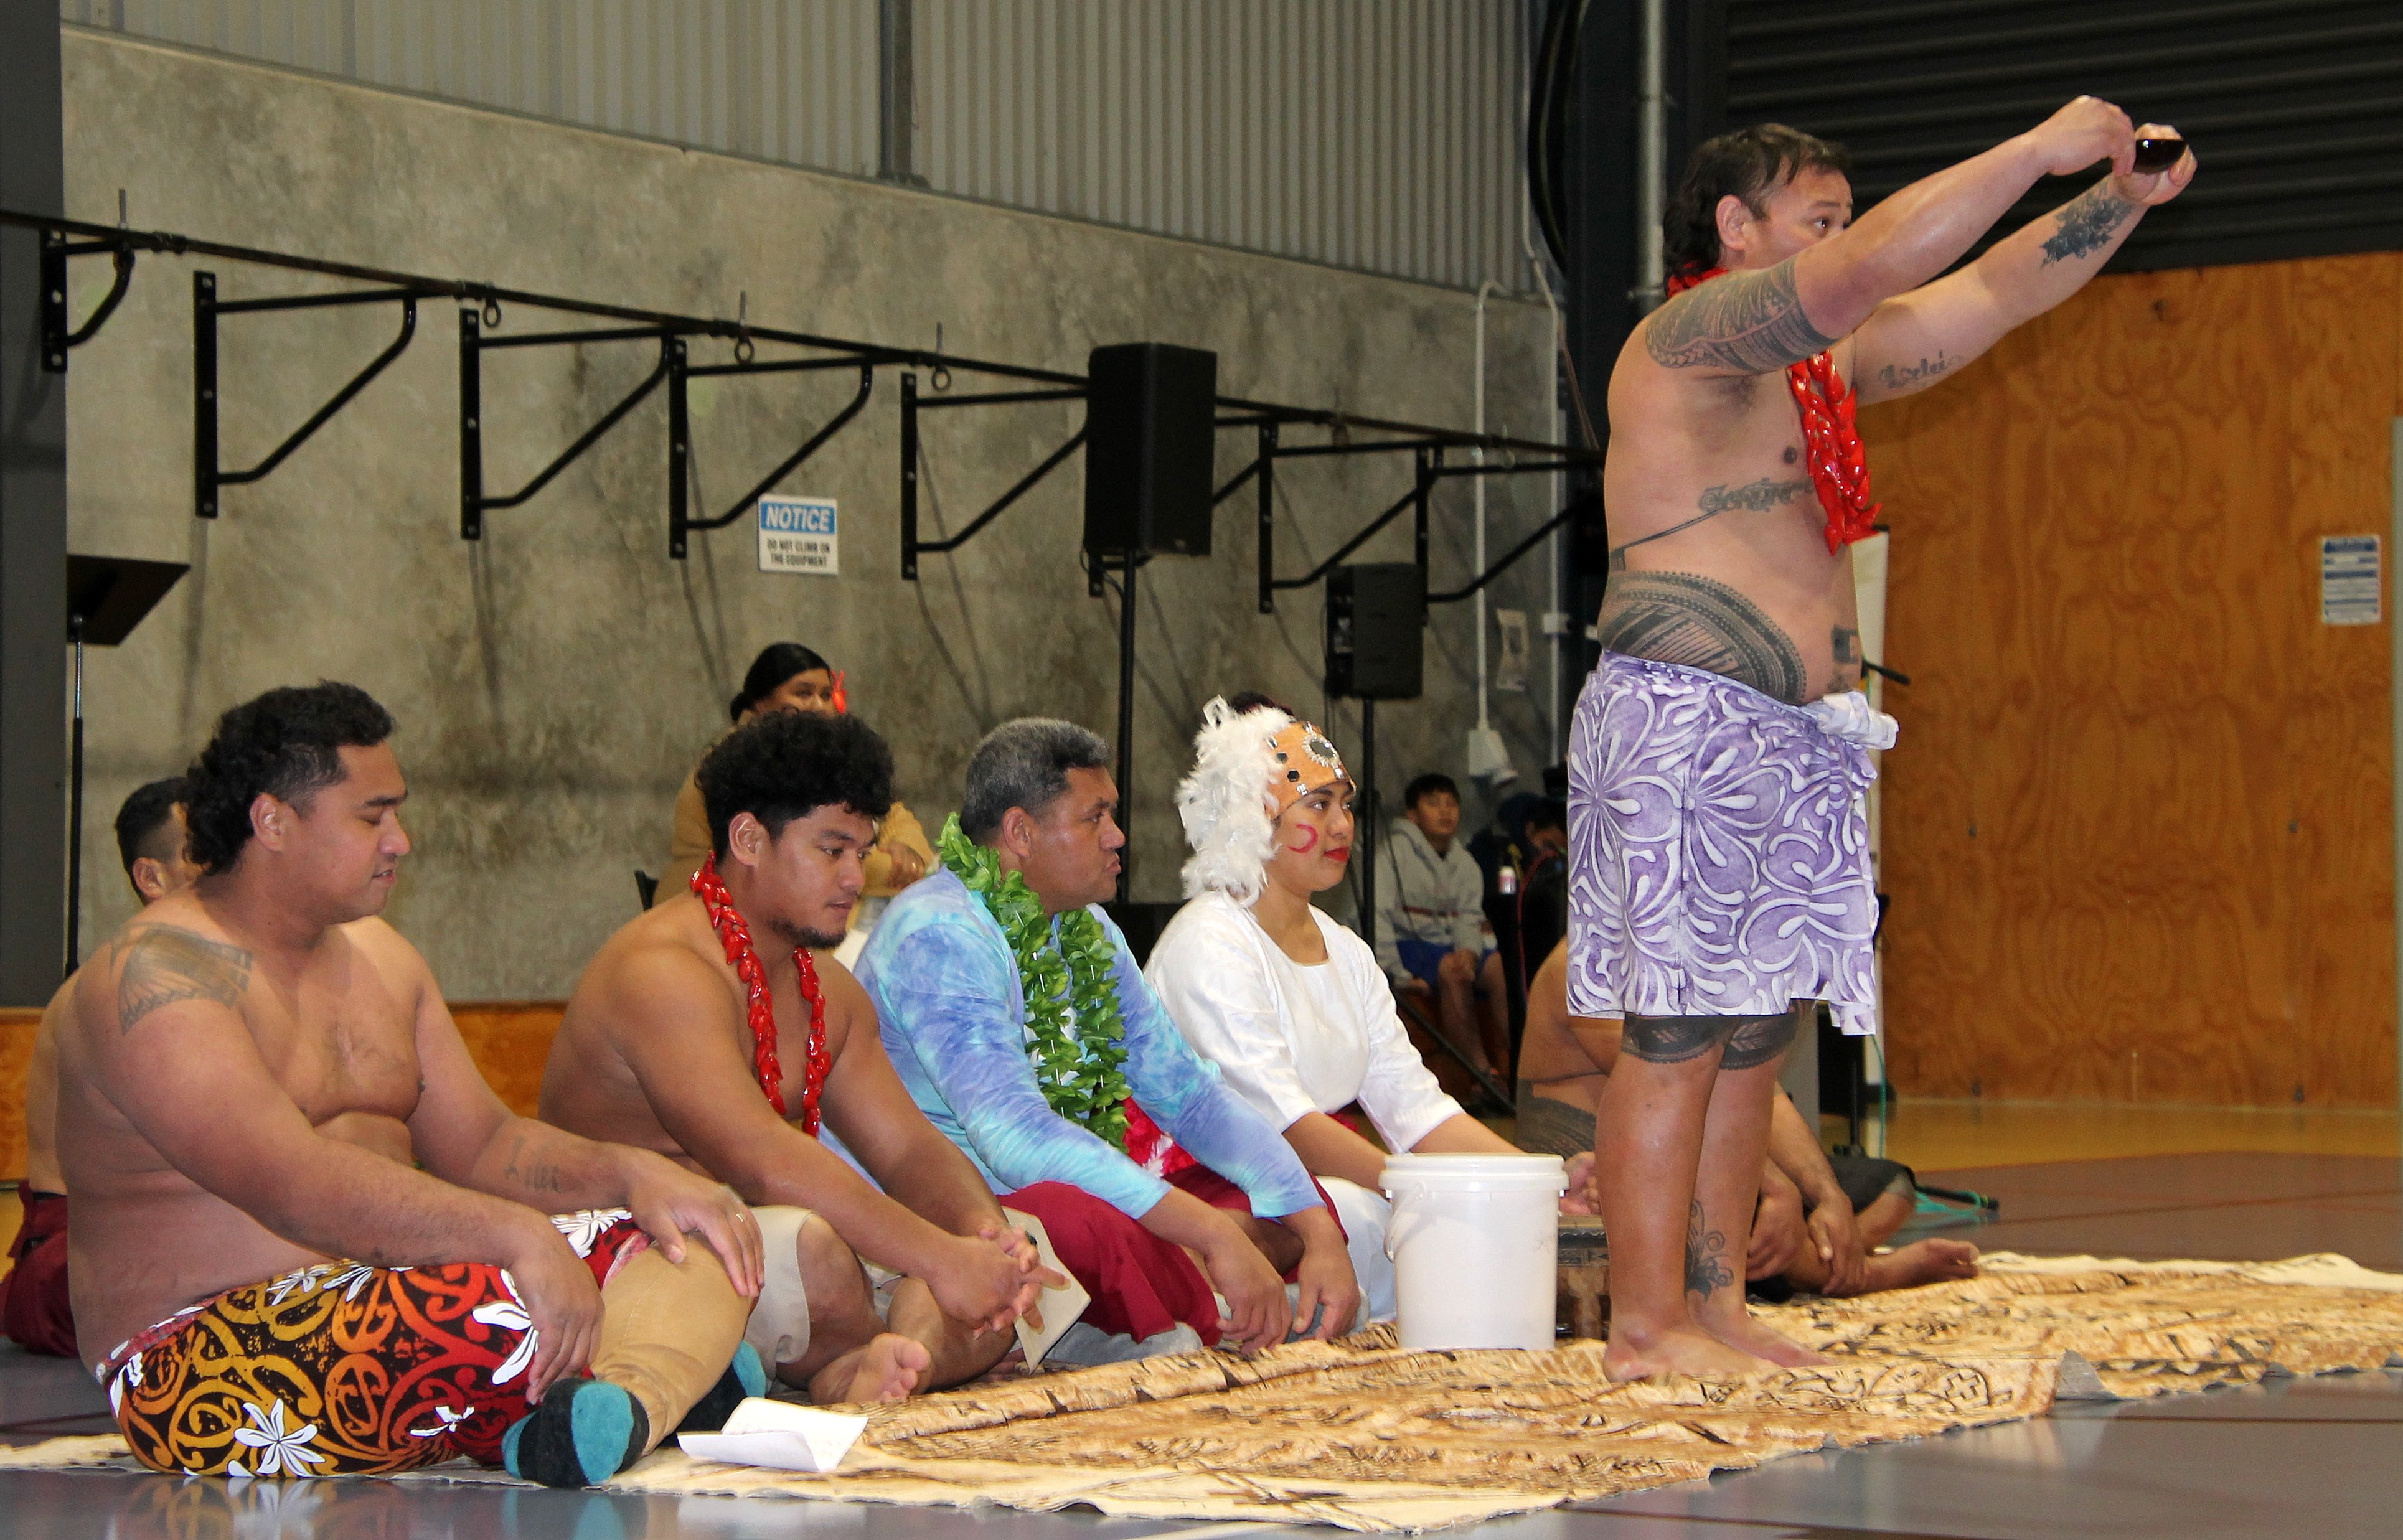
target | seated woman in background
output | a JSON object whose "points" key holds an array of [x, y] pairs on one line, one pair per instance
{"points": [[788, 676], [1291, 1005]]}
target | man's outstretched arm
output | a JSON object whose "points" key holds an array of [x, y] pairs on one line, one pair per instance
{"points": [[1756, 321], [1916, 338]]}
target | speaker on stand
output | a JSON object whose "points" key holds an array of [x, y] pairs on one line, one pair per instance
{"points": [[1376, 650], [1151, 441]]}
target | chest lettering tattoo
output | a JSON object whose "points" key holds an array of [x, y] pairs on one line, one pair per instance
{"points": [[165, 964], [1680, 617], [1753, 496]]}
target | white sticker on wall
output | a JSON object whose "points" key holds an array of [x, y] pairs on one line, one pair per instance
{"points": [[1511, 668], [797, 535], [2349, 579]]}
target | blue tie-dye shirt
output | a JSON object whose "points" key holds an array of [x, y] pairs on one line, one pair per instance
{"points": [[953, 1014]]}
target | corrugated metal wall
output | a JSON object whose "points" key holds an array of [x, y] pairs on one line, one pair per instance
{"points": [[1377, 134], [2290, 107]]}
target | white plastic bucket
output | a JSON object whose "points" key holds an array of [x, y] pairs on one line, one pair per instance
{"points": [[1474, 1240]]}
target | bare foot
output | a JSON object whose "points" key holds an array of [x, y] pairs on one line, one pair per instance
{"points": [[1747, 1334], [1681, 1350], [1923, 1262], [887, 1368]]}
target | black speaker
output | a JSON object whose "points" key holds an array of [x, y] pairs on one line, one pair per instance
{"points": [[1376, 630], [1151, 433]]}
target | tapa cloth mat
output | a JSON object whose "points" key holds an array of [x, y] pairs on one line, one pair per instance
{"points": [[1364, 1434]]}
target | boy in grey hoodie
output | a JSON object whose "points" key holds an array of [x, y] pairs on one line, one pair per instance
{"points": [[1431, 934]]}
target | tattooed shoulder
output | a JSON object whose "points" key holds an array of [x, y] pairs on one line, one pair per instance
{"points": [[1749, 321], [161, 966]]}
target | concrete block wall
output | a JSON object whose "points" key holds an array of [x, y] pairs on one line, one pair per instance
{"points": [[554, 683]]}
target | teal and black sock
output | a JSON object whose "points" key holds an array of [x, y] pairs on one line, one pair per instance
{"points": [[585, 1432], [745, 1377]]}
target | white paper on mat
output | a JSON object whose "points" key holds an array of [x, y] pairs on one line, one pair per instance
{"points": [[777, 1434]]}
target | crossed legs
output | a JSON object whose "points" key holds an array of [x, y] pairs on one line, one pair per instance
{"points": [[1680, 1135], [851, 1352]]}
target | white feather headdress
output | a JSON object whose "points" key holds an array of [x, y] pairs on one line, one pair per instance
{"points": [[1248, 768], [1225, 802]]}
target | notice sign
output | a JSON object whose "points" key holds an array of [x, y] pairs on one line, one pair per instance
{"points": [[797, 535], [2348, 580]]}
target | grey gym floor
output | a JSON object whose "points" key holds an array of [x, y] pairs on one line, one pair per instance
{"points": [[2320, 1457]]}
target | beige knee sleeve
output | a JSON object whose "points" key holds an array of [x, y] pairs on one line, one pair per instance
{"points": [[779, 1331], [668, 1330]]}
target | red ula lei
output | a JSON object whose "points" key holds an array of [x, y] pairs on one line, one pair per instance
{"points": [[736, 938], [1831, 444]]}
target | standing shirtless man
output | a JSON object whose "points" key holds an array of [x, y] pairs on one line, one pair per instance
{"points": [[309, 1239], [1719, 869], [663, 1047]]}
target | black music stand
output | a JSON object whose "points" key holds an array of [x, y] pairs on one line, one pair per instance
{"points": [[107, 596]]}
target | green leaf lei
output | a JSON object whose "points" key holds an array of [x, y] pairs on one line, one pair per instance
{"points": [[1080, 1065]]}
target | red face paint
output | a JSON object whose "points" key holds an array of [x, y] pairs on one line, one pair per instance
{"points": [[1305, 840]]}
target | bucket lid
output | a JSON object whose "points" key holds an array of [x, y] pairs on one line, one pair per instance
{"points": [[1475, 1172]]}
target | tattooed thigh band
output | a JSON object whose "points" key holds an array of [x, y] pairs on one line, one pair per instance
{"points": [[343, 1369], [1718, 851], [1675, 1039], [1758, 1040], [1747, 1040]]}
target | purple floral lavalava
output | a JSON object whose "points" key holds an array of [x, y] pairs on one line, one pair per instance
{"points": [[1718, 851]]}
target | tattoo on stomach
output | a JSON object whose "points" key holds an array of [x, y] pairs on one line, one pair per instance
{"points": [[1679, 617]]}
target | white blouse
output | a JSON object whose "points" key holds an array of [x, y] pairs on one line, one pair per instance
{"points": [[1290, 1038]]}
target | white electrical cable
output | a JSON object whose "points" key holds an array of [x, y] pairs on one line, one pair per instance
{"points": [[1478, 454]]}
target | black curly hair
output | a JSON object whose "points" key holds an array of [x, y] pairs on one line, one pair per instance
{"points": [[143, 817], [282, 743], [1747, 163], [788, 764]]}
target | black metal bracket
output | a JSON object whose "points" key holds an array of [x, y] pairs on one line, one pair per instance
{"points": [[57, 337], [1510, 558], [473, 344], [680, 521], [1429, 464], [911, 405], [208, 476]]}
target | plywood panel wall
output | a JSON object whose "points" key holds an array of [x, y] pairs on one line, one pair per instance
{"points": [[2138, 829]]}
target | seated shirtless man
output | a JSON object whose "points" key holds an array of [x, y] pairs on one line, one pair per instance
{"points": [[1820, 1218], [666, 1047], [36, 1310], [309, 1239]]}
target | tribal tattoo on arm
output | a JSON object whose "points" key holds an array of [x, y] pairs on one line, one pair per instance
{"points": [[165, 964], [1679, 617], [2087, 225], [1749, 322]]}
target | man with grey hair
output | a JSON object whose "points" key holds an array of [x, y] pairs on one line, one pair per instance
{"points": [[1022, 1026]]}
